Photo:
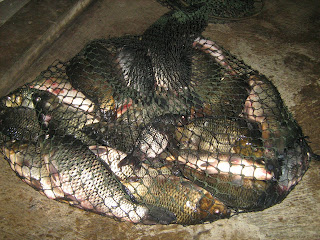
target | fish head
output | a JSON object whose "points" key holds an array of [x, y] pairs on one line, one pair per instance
{"points": [[294, 163], [211, 208]]}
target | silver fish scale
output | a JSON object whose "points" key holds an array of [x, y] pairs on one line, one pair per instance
{"points": [[84, 166]]}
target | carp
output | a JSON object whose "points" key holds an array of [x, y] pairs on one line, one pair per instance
{"points": [[66, 170], [156, 185], [26, 160]]}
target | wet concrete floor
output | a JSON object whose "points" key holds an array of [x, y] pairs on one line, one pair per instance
{"points": [[282, 43]]}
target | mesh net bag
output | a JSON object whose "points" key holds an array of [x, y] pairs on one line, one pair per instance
{"points": [[221, 11], [166, 127]]}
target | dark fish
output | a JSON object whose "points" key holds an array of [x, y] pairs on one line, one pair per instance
{"points": [[62, 89], [221, 89], [113, 68], [279, 130], [18, 117], [225, 97], [58, 118], [20, 123], [294, 163], [169, 42], [151, 66]]}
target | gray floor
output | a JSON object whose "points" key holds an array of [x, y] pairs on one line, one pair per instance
{"points": [[282, 43], [9, 7]]}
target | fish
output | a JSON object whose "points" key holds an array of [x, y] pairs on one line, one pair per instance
{"points": [[18, 117], [222, 90], [279, 129], [93, 71], [74, 174], [243, 183], [240, 183], [212, 134], [216, 52], [137, 133], [111, 70], [265, 106], [20, 123], [25, 159], [58, 118], [236, 192], [220, 135], [112, 157], [158, 186], [294, 163], [169, 41], [150, 66], [190, 203], [224, 97]]}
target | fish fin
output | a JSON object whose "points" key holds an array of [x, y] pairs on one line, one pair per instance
{"points": [[98, 150], [130, 195], [132, 160], [159, 215]]}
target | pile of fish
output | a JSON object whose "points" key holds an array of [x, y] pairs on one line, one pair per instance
{"points": [[154, 131]]}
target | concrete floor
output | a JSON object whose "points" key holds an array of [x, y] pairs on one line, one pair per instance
{"points": [[10, 7], [282, 43]]}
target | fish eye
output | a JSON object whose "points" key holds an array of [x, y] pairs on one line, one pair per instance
{"points": [[38, 99]]}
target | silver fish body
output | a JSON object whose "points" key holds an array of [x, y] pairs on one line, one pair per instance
{"points": [[65, 169], [26, 160]]}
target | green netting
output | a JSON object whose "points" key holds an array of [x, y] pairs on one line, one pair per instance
{"points": [[166, 127], [220, 11]]}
